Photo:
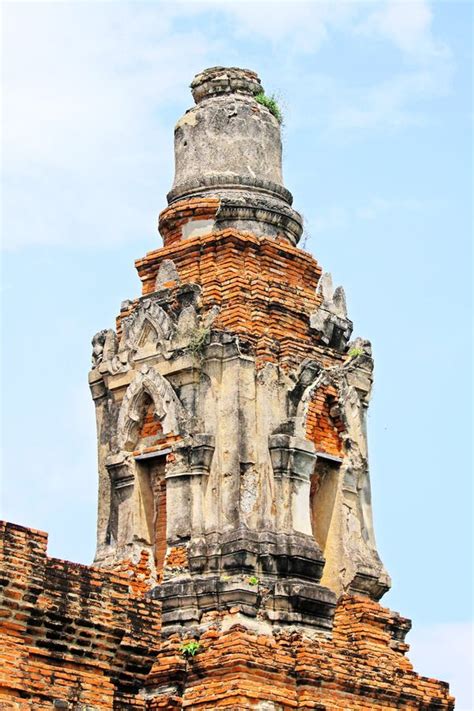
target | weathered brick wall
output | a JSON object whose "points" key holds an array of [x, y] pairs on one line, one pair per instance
{"points": [[323, 427], [265, 289], [150, 425], [174, 217], [74, 637], [71, 636], [160, 524]]}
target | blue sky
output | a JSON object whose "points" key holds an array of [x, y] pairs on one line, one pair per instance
{"points": [[377, 100]]}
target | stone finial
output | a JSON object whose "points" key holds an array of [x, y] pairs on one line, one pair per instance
{"points": [[228, 161], [225, 80], [228, 140]]}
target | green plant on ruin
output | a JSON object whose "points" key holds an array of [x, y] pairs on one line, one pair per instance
{"points": [[354, 352], [198, 340], [271, 104], [190, 649], [252, 580]]}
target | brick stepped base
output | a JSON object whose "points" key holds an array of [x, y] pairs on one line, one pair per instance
{"points": [[74, 637], [361, 667]]}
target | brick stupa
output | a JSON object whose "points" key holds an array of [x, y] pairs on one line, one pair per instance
{"points": [[236, 563]]}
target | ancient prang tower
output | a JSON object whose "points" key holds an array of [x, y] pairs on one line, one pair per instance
{"points": [[236, 563]]}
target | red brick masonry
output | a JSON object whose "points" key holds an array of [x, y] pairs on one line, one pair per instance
{"points": [[265, 289], [74, 637]]}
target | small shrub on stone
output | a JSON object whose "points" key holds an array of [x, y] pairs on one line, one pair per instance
{"points": [[271, 104], [189, 649], [198, 340]]}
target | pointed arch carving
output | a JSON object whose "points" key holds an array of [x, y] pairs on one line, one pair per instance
{"points": [[320, 379], [148, 312], [167, 406]]}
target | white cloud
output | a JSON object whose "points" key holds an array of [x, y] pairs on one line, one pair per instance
{"points": [[387, 105], [79, 79], [87, 86], [445, 651], [407, 24], [305, 26], [420, 68], [82, 93], [393, 103]]}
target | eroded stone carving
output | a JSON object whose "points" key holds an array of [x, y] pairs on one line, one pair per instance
{"points": [[105, 358], [110, 345], [194, 457], [98, 342], [168, 408], [121, 471], [167, 274], [292, 457], [147, 330], [188, 321], [307, 374], [330, 320], [211, 316]]}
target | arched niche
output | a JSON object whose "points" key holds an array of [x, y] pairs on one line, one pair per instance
{"points": [[148, 385], [319, 420], [150, 407]]}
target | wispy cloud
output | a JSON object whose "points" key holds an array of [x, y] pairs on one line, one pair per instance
{"points": [[395, 102], [89, 87], [421, 68], [303, 26], [83, 91], [408, 25]]}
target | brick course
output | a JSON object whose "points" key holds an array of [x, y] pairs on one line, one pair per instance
{"points": [[322, 427], [70, 634], [76, 637], [265, 289]]}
